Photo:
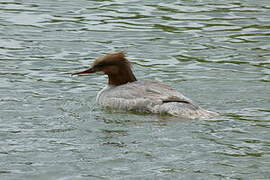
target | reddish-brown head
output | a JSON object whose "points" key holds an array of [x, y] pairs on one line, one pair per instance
{"points": [[115, 65], [109, 64]]}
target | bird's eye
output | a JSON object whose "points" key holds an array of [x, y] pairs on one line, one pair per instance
{"points": [[103, 64], [100, 65]]}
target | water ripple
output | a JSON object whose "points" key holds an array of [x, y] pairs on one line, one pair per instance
{"points": [[215, 52]]}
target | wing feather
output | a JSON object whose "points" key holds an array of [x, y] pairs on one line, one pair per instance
{"points": [[140, 96]]}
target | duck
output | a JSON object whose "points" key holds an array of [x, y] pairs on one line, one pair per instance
{"points": [[125, 92]]}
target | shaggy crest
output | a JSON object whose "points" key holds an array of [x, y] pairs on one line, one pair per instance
{"points": [[111, 59]]}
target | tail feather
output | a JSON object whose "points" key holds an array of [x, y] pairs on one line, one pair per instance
{"points": [[184, 110]]}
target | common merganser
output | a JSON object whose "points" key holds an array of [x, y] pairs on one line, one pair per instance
{"points": [[125, 92]]}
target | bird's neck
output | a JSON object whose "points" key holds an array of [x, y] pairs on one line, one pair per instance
{"points": [[124, 75]]}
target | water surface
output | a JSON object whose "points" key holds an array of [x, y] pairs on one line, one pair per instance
{"points": [[215, 52]]}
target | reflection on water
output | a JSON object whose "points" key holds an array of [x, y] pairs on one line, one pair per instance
{"points": [[215, 52]]}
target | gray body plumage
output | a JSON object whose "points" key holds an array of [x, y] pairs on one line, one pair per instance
{"points": [[153, 97]]}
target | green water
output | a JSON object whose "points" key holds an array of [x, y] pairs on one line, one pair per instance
{"points": [[214, 52]]}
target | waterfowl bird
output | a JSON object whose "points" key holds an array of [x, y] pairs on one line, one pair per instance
{"points": [[125, 92]]}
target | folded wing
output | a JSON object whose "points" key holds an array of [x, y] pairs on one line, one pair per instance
{"points": [[141, 95]]}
